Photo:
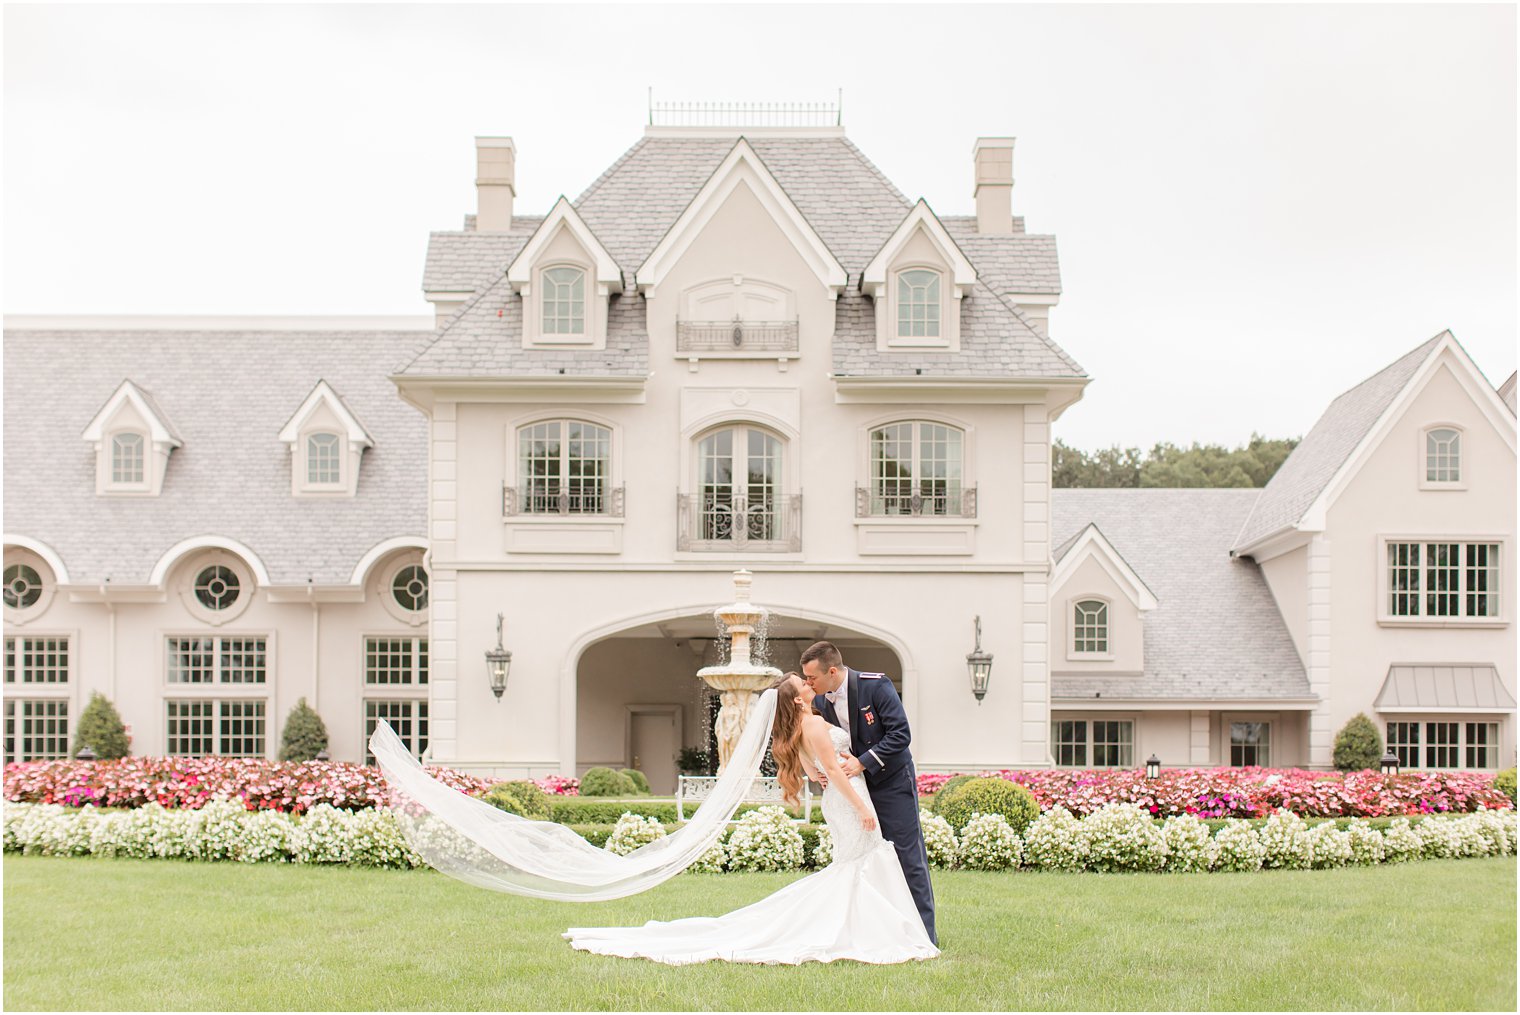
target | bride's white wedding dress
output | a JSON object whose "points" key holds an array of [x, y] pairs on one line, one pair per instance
{"points": [[858, 907]]}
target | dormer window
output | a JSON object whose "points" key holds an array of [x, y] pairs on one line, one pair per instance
{"points": [[323, 466], [564, 305], [132, 441], [1089, 627], [918, 306], [127, 459], [566, 279], [326, 442], [1443, 456]]}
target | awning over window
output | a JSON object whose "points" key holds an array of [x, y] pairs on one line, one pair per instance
{"points": [[1432, 688]]}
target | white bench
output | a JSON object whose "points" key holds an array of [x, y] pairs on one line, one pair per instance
{"points": [[764, 790]]}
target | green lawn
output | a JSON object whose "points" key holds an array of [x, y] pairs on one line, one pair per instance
{"points": [[156, 934]]}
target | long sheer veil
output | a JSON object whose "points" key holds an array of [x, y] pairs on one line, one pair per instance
{"points": [[469, 839]]}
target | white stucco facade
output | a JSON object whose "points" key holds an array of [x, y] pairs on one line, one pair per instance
{"points": [[727, 352]]}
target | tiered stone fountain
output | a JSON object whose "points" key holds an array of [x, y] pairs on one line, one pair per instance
{"points": [[739, 679]]}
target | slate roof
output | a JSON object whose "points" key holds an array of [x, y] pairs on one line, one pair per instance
{"points": [[229, 394], [846, 199], [1216, 633], [1322, 452]]}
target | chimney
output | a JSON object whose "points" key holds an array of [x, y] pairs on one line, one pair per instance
{"points": [[994, 185], [495, 183]]}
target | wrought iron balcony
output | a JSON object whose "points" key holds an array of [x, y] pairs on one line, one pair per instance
{"points": [[721, 521], [562, 498], [931, 499], [770, 337]]}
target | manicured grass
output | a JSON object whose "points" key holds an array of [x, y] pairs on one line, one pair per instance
{"points": [[156, 934]]}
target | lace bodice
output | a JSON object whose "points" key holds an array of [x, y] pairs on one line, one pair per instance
{"points": [[850, 840]]}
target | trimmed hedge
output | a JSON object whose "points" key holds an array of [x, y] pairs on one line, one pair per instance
{"points": [[581, 811], [1505, 783]]}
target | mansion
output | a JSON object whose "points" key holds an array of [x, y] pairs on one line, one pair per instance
{"points": [[737, 348]]}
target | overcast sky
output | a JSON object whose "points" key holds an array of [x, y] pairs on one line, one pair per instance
{"points": [[1256, 207]]}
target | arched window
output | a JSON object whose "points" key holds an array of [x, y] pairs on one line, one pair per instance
{"points": [[918, 304], [916, 469], [564, 466], [322, 462], [1089, 627], [739, 491], [127, 458], [564, 301], [1443, 455]]}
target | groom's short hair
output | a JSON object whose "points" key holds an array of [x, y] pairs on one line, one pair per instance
{"points": [[824, 653]]}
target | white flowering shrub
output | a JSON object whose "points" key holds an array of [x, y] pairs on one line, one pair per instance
{"points": [[714, 861], [764, 839], [1492, 826], [939, 841], [1286, 839], [265, 837], [631, 832], [1448, 838], [1054, 841], [823, 853], [324, 835], [375, 834], [1122, 837], [989, 843], [1400, 842], [1238, 847], [213, 832], [1366, 842], [1329, 846], [1189, 846]]}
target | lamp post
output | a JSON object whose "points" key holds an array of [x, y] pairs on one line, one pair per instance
{"points": [[1153, 767], [1390, 763], [322, 755], [498, 663], [85, 754], [979, 664]]}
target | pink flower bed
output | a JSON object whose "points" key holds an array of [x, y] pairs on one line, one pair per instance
{"points": [[1254, 792], [291, 786]]}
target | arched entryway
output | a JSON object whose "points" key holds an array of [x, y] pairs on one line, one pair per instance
{"points": [[638, 702]]}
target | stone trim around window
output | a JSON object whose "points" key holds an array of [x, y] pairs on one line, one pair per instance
{"points": [[1442, 581], [1441, 461]]}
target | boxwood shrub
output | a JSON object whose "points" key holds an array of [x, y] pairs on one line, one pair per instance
{"points": [[957, 804], [520, 797], [640, 783]]}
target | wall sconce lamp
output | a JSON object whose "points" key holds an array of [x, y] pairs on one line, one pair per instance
{"points": [[979, 664], [498, 663]]}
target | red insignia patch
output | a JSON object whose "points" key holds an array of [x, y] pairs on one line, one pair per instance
{"points": [[870, 717]]}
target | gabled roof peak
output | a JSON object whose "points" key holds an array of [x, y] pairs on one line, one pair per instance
{"points": [[920, 217], [564, 216], [160, 430], [726, 178], [323, 394]]}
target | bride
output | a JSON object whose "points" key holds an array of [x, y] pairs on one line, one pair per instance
{"points": [[859, 907]]}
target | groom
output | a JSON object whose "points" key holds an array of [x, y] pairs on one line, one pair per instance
{"points": [[866, 706]]}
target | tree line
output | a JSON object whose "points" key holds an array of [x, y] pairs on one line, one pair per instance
{"points": [[1167, 465]]}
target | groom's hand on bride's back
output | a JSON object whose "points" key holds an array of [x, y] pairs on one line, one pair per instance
{"points": [[850, 765]]}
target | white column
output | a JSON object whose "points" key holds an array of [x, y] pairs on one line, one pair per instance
{"points": [[443, 585], [1198, 739], [1320, 734], [1034, 746]]}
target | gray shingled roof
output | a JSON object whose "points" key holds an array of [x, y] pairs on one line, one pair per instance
{"points": [[845, 198], [1322, 452], [228, 393], [1216, 633]]}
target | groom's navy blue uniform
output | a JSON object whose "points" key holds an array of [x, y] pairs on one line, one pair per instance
{"points": [[879, 738]]}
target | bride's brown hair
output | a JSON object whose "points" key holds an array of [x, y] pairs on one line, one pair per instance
{"points": [[786, 736]]}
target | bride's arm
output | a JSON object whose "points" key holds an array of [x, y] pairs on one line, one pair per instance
{"points": [[815, 730]]}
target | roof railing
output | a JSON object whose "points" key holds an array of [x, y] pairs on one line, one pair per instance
{"points": [[746, 114]]}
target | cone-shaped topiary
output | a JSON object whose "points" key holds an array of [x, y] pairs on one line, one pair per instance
{"points": [[305, 734], [101, 730], [1358, 745]]}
